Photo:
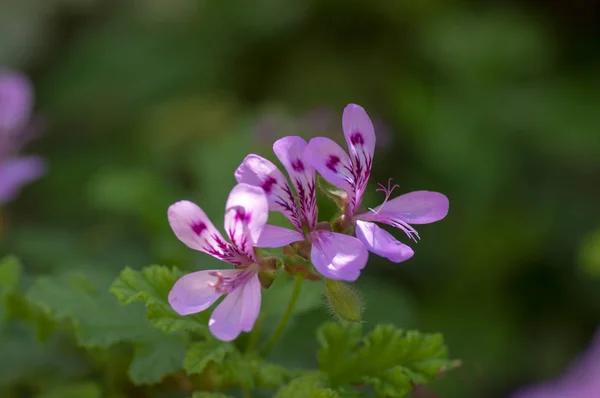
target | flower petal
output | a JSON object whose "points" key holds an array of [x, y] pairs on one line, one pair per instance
{"points": [[251, 303], [17, 172], [338, 256], [290, 152], [193, 227], [16, 100], [419, 207], [382, 243], [260, 172], [246, 213], [360, 137], [195, 292], [237, 312], [274, 236], [334, 165]]}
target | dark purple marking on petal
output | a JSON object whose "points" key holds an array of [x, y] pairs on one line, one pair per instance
{"points": [[332, 163], [357, 139], [268, 184], [298, 166], [242, 216], [199, 227]]}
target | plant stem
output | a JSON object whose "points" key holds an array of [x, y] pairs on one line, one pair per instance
{"points": [[286, 316]]}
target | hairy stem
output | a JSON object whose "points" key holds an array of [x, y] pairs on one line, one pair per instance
{"points": [[286, 316]]}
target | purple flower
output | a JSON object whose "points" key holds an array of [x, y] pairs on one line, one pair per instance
{"points": [[246, 213], [351, 173], [334, 255], [16, 100], [582, 379]]}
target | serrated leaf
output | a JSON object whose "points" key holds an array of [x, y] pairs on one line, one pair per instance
{"points": [[152, 361], [388, 358], [98, 319], [206, 394], [200, 354], [312, 385], [152, 285], [336, 343], [78, 390]]}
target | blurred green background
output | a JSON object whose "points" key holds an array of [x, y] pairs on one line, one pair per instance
{"points": [[494, 103]]}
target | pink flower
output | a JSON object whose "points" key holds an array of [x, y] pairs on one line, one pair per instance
{"points": [[351, 173], [16, 101], [246, 213], [334, 255], [582, 379]]}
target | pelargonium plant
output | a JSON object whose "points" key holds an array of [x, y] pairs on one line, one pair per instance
{"points": [[16, 103], [224, 351]]}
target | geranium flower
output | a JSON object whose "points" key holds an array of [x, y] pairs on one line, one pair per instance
{"points": [[351, 173], [246, 213], [334, 255], [16, 101]]}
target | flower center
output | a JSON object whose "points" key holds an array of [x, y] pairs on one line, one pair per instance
{"points": [[227, 284]]}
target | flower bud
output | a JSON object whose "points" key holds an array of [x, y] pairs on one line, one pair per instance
{"points": [[344, 301]]}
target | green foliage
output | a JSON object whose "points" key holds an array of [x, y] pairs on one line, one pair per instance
{"points": [[95, 315], [204, 394], [200, 354], [152, 286], [387, 358], [311, 385], [155, 359], [76, 390]]}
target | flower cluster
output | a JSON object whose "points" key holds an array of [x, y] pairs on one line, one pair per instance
{"points": [[16, 102], [337, 251]]}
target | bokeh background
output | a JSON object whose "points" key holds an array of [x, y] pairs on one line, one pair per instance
{"points": [[494, 103]]}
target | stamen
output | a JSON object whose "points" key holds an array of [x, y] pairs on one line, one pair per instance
{"points": [[388, 192]]}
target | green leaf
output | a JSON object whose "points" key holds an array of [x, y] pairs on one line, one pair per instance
{"points": [[311, 385], [78, 390], [206, 394], [200, 354], [154, 360], [152, 285], [388, 358], [98, 319], [10, 274]]}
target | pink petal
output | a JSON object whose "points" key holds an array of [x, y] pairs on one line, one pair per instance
{"points": [[274, 236], [360, 137], [334, 165], [16, 100], [290, 152], [237, 312], [338, 256], [258, 171], [17, 172], [195, 292], [246, 213], [382, 243], [419, 207], [193, 227]]}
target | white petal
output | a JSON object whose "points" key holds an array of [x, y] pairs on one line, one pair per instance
{"points": [[246, 213], [237, 312], [290, 152], [275, 236], [195, 292], [338, 256], [382, 243], [260, 172]]}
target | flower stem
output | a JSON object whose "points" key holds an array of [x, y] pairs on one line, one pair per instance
{"points": [[253, 338], [286, 316]]}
